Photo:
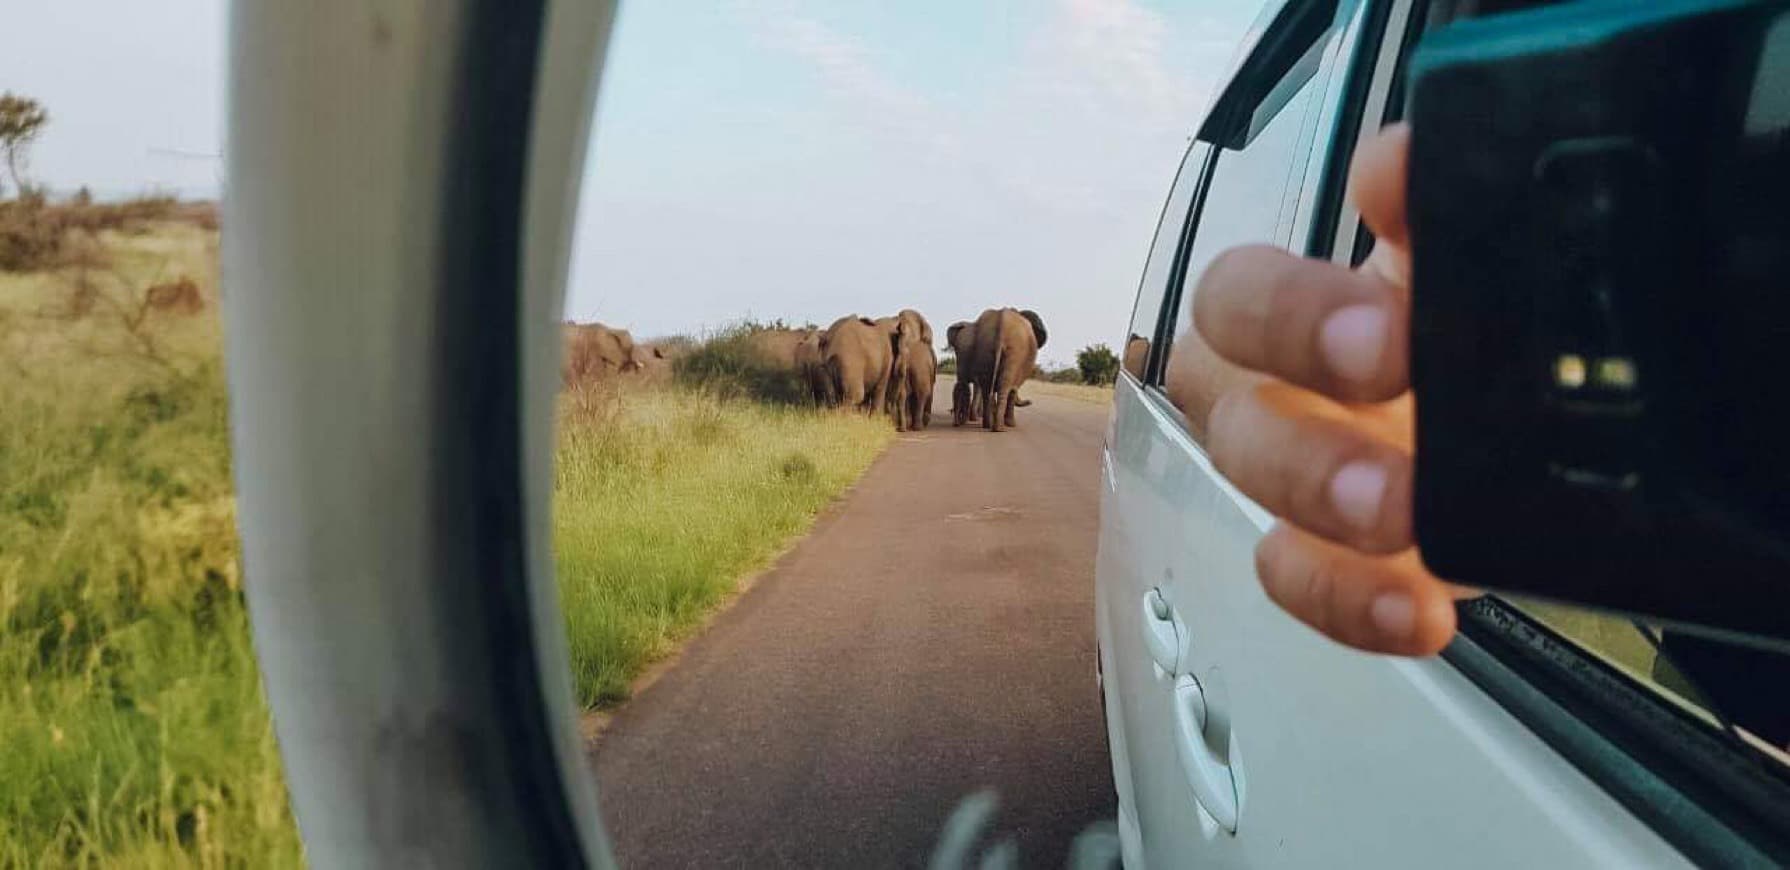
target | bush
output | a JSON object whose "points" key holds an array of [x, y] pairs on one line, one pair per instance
{"points": [[36, 234], [730, 365], [1098, 365]]}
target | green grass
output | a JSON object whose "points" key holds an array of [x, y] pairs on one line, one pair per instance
{"points": [[133, 732], [131, 719], [664, 499]]}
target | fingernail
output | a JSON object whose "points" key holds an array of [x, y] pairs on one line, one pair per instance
{"points": [[1356, 491], [1352, 341], [1394, 614]]}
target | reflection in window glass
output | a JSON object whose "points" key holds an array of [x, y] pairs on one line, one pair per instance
{"points": [[1251, 196], [1252, 190], [1154, 286], [1715, 679]]}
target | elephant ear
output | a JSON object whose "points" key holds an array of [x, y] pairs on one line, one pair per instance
{"points": [[952, 331], [1037, 324]]}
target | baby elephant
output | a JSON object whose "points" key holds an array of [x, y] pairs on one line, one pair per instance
{"points": [[913, 372]]}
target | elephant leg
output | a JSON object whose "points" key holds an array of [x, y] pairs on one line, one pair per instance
{"points": [[878, 400], [900, 405], [977, 397], [991, 411], [960, 403], [851, 391], [1011, 402]]}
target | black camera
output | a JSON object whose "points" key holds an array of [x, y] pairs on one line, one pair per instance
{"points": [[1600, 215]]}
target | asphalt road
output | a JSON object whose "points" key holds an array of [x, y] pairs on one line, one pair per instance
{"points": [[932, 637]]}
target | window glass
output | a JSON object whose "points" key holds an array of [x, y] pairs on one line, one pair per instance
{"points": [[1251, 193], [1252, 189], [1154, 286]]}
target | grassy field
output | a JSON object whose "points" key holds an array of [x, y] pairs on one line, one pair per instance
{"points": [[1073, 392], [665, 498], [133, 729], [132, 723]]}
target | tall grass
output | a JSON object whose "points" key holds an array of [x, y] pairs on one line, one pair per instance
{"points": [[665, 498], [132, 731]]}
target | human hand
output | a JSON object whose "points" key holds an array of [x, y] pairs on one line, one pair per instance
{"points": [[1325, 440]]}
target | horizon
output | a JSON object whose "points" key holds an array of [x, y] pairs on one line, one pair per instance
{"points": [[763, 159]]}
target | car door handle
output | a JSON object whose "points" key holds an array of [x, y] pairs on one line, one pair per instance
{"points": [[1161, 637], [1210, 777]]}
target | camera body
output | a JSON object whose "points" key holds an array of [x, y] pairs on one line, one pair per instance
{"points": [[1599, 200]]}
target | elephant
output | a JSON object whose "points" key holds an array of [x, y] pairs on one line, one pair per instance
{"points": [[797, 351], [913, 371], [859, 355], [596, 352], [964, 399], [811, 364], [1137, 352], [1003, 352], [778, 346], [651, 363]]}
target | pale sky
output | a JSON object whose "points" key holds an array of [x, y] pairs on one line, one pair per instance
{"points": [[801, 159]]}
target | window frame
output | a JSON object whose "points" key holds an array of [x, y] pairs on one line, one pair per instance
{"points": [[1278, 60], [1152, 373]]}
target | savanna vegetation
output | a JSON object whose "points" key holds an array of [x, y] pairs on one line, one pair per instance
{"points": [[134, 728], [665, 498], [131, 713]]}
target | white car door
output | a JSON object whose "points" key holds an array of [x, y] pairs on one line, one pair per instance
{"points": [[1240, 737]]}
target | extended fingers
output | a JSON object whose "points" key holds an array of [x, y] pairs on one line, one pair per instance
{"points": [[1313, 463], [1385, 604], [1314, 323]]}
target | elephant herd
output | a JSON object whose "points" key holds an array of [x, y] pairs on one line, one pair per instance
{"points": [[890, 364], [869, 365]]}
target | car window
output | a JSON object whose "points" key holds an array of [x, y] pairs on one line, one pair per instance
{"points": [[1146, 316], [1250, 197]]}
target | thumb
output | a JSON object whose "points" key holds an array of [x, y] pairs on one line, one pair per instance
{"points": [[1377, 178]]}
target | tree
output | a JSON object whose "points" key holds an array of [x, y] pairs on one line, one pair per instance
{"points": [[21, 119], [1098, 365]]}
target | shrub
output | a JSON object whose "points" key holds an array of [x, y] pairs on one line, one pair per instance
{"points": [[730, 365], [36, 234], [1098, 365]]}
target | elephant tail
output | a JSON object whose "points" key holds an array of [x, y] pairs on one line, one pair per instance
{"points": [[994, 373]]}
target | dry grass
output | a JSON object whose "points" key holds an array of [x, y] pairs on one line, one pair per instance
{"points": [[38, 235], [1073, 392]]}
